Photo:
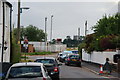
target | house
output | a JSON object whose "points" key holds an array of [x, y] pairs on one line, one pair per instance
{"points": [[5, 30]]}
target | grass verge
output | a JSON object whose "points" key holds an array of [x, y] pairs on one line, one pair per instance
{"points": [[38, 53]]}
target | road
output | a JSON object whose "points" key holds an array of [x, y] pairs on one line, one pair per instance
{"points": [[72, 72], [76, 72]]}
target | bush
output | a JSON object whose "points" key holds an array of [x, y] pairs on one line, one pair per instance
{"points": [[15, 55]]}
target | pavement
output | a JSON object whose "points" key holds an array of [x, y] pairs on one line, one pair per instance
{"points": [[95, 68]]}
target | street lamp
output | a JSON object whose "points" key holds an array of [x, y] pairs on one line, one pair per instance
{"points": [[25, 8], [45, 32], [18, 24]]}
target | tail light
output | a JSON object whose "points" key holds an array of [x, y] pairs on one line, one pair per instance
{"points": [[44, 78], [68, 59], [56, 69]]}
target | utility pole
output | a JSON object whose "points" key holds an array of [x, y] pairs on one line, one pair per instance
{"points": [[51, 29], [85, 28], [18, 24], [45, 32]]}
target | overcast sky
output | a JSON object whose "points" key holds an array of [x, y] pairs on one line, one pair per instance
{"points": [[67, 16]]}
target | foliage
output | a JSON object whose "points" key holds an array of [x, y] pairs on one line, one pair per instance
{"points": [[106, 36], [32, 33], [15, 55], [80, 47], [72, 42], [53, 41], [38, 53], [107, 42], [108, 25]]}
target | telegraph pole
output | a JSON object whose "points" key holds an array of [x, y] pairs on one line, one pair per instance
{"points": [[51, 29], [18, 24]]}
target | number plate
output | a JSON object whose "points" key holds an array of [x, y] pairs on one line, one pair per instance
{"points": [[74, 60]]}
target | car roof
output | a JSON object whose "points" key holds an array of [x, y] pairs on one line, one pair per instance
{"points": [[27, 64], [67, 51], [46, 58]]}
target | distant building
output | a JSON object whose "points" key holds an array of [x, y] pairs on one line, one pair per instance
{"points": [[5, 30], [75, 37]]}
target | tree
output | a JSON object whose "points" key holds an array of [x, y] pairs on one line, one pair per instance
{"points": [[106, 36], [32, 33], [108, 25], [53, 41]]}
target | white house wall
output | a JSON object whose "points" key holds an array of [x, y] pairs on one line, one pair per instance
{"points": [[6, 54], [1, 27], [98, 57]]}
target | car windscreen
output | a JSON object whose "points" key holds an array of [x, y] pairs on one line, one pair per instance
{"points": [[75, 52], [51, 61], [74, 56], [25, 72]]}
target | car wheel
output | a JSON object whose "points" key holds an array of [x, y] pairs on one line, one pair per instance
{"points": [[67, 64], [55, 78], [79, 65]]}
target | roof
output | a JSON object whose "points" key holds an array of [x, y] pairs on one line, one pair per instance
{"points": [[46, 58], [27, 64]]}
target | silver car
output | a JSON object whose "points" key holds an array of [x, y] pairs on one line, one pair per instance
{"points": [[27, 71]]}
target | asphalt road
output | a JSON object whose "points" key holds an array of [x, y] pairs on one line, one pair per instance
{"points": [[72, 72], [76, 72]]}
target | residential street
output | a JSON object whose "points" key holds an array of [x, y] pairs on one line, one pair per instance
{"points": [[73, 72], [76, 72]]}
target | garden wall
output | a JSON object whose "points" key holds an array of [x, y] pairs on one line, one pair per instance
{"points": [[98, 57]]}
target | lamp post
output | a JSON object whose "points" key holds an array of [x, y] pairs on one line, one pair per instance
{"points": [[51, 29], [18, 24], [45, 32]]}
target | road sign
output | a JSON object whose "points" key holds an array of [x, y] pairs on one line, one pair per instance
{"points": [[26, 41]]}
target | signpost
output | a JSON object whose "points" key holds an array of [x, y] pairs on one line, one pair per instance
{"points": [[26, 46]]}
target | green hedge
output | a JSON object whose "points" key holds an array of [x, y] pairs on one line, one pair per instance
{"points": [[38, 53]]}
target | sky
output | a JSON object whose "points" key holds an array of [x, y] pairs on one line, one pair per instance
{"points": [[68, 16]]}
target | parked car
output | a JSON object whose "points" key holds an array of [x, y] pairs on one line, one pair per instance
{"points": [[4, 66], [64, 55], [52, 66], [74, 51], [73, 59], [59, 55], [27, 71]]}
